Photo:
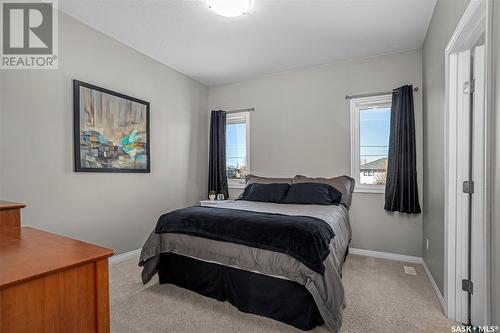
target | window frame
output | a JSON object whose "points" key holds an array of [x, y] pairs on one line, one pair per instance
{"points": [[356, 104], [235, 118]]}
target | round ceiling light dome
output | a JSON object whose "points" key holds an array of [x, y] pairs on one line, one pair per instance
{"points": [[230, 8]]}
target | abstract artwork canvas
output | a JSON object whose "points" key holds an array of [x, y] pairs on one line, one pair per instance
{"points": [[111, 131]]}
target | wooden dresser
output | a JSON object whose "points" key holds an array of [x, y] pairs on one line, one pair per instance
{"points": [[50, 283]]}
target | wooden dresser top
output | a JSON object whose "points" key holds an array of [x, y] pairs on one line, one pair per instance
{"points": [[30, 253], [10, 205]]}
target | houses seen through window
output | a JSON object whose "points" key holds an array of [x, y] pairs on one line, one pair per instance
{"points": [[374, 128]]}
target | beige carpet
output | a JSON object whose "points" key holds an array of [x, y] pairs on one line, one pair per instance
{"points": [[380, 298]]}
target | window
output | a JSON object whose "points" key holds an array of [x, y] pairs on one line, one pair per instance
{"points": [[237, 148], [370, 128]]}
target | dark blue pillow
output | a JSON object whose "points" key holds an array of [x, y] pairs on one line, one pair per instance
{"points": [[266, 192], [313, 193]]}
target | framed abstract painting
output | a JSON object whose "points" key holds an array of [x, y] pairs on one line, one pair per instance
{"points": [[111, 131]]}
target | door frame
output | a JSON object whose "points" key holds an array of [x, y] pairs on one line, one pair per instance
{"points": [[476, 21]]}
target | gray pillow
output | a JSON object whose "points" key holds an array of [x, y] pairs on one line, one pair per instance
{"points": [[252, 179]]}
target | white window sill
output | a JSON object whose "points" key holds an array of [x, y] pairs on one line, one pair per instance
{"points": [[236, 185], [375, 189]]}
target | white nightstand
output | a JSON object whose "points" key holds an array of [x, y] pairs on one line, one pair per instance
{"points": [[213, 202]]}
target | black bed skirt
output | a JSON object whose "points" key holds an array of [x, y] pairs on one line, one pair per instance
{"points": [[275, 298]]}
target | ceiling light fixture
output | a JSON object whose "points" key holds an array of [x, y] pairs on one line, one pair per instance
{"points": [[230, 8]]}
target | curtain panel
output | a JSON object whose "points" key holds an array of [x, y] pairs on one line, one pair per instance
{"points": [[217, 177], [401, 189]]}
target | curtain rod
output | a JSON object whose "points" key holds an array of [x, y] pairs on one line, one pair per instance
{"points": [[415, 89], [241, 110]]}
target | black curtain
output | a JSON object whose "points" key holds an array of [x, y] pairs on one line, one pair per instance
{"points": [[217, 177], [401, 190]]}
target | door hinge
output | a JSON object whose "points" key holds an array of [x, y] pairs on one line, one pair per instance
{"points": [[468, 187], [467, 286], [469, 87]]}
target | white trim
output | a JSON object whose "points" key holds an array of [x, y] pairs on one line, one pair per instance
{"points": [[381, 101], [237, 117], [385, 255], [360, 252], [366, 188], [479, 206], [434, 285], [124, 256], [468, 27], [488, 133]]}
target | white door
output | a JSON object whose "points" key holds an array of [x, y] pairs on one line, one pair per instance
{"points": [[478, 226]]}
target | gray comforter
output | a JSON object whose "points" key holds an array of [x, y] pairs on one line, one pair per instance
{"points": [[326, 289]]}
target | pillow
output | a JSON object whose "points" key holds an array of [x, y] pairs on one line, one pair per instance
{"points": [[265, 192], [252, 179], [313, 193], [344, 184]]}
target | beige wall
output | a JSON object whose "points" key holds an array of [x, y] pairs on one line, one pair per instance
{"points": [[444, 21], [495, 232], [115, 210], [301, 126]]}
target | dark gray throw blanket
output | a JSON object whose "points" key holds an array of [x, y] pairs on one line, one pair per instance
{"points": [[303, 237]]}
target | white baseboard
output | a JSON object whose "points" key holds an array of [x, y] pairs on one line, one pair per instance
{"points": [[386, 255], [360, 252], [124, 256], [434, 285]]}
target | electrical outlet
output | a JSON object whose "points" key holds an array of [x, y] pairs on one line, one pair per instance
{"points": [[427, 244]]}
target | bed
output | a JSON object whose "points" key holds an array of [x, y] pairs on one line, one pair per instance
{"points": [[279, 260]]}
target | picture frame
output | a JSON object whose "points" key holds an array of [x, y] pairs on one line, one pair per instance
{"points": [[111, 131]]}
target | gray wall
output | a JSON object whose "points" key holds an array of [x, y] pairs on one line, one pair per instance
{"points": [[301, 126], [495, 232], [444, 21], [115, 210]]}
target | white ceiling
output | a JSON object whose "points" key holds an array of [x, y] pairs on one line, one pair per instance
{"points": [[277, 35]]}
